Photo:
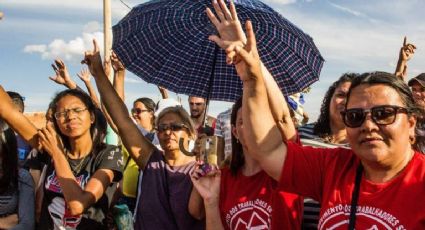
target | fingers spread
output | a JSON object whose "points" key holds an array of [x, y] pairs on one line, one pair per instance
{"points": [[225, 10]]}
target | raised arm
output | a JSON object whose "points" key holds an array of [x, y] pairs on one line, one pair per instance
{"points": [[163, 91], [62, 76], [84, 75], [137, 145], [405, 54], [231, 33], [264, 136], [119, 75], [16, 120]]}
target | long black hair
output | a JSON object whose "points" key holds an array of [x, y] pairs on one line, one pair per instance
{"points": [[97, 129], [9, 158], [238, 159], [322, 127]]}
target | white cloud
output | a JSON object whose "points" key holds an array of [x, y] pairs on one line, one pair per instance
{"points": [[71, 50]]}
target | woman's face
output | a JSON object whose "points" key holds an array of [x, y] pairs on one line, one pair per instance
{"points": [[169, 138], [237, 129], [418, 92], [383, 144], [73, 117], [337, 104], [142, 115]]}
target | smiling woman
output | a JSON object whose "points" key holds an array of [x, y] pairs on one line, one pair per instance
{"points": [[382, 176]]}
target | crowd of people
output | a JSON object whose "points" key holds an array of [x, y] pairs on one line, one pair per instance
{"points": [[361, 165]]}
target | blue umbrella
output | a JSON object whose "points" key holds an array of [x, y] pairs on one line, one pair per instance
{"points": [[165, 42]]}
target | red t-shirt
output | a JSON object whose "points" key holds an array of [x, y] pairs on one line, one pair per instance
{"points": [[250, 202], [328, 175]]}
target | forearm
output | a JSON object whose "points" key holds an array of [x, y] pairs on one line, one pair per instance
{"points": [[196, 205], [400, 69], [278, 106], [119, 83], [92, 93], [109, 119], [258, 118], [16, 120], [76, 198], [213, 218], [8, 222], [137, 145]]}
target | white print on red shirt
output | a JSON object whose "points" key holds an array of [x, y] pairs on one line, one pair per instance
{"points": [[250, 215], [367, 217]]}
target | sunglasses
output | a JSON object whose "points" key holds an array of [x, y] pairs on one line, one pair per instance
{"points": [[173, 127], [139, 111], [381, 115]]}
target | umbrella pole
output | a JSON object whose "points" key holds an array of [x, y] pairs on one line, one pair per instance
{"points": [[211, 81]]}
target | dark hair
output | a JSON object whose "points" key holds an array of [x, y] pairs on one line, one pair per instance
{"points": [[238, 159], [390, 80], [403, 91], [9, 157], [149, 104], [322, 127], [18, 99], [97, 129]]}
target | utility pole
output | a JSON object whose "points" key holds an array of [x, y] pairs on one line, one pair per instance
{"points": [[111, 136], [107, 31]]}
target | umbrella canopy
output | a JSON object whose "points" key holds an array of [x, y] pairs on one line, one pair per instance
{"points": [[165, 42]]}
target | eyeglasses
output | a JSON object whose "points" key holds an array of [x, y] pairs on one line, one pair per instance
{"points": [[381, 115], [139, 111], [66, 112], [173, 127]]}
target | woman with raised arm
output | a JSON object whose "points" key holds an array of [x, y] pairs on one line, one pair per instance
{"points": [[166, 184], [377, 184], [80, 167], [243, 195]]}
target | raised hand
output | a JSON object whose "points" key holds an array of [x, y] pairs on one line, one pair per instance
{"points": [[247, 61], [228, 26], [116, 63], [93, 60], [208, 186], [84, 75], [50, 141], [406, 51], [62, 76]]}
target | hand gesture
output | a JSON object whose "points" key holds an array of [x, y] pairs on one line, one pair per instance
{"points": [[84, 75], [116, 63], [208, 186], [49, 140], [94, 61], [62, 76], [406, 51], [227, 25], [247, 61]]}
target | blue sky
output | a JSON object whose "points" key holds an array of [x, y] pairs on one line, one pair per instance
{"points": [[352, 36]]}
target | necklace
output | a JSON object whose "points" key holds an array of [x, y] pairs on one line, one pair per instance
{"points": [[77, 169]]}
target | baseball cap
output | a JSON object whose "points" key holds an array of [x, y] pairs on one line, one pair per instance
{"points": [[419, 79]]}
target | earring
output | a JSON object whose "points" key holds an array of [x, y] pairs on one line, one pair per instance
{"points": [[237, 140], [412, 140]]}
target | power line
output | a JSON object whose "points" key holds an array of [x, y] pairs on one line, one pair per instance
{"points": [[125, 4]]}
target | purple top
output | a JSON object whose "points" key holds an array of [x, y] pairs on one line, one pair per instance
{"points": [[164, 196]]}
